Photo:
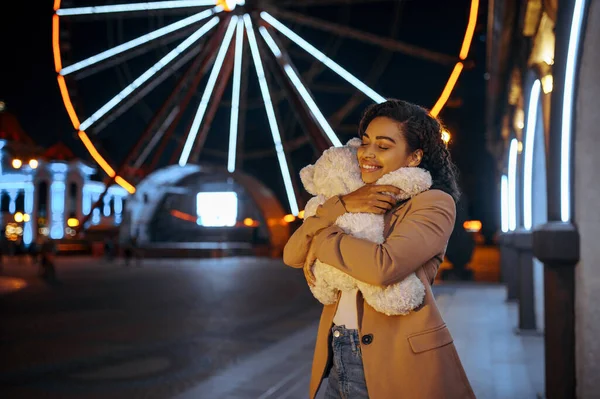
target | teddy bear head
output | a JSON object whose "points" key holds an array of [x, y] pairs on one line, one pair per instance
{"points": [[336, 172]]}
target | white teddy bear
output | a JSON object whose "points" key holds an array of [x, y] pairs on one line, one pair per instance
{"points": [[337, 172]]}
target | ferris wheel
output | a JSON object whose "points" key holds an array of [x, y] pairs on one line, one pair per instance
{"points": [[189, 42]]}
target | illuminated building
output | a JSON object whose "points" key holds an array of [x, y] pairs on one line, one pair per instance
{"points": [[42, 191]]}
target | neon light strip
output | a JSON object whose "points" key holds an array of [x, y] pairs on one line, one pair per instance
{"points": [[437, 108], [567, 112], [64, 92], [264, 88], [464, 51], [95, 154], [125, 184], [56, 42], [322, 57], [295, 79], [70, 109], [136, 42], [512, 185], [210, 85], [530, 133], [149, 73], [157, 5], [466, 45], [235, 96], [156, 138], [504, 203]]}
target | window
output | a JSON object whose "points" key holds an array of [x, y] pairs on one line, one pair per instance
{"points": [[5, 199], [42, 196], [72, 206], [20, 202]]}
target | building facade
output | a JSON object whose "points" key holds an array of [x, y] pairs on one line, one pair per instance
{"points": [[42, 196], [542, 127]]}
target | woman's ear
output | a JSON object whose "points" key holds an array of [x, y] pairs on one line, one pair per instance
{"points": [[415, 158]]}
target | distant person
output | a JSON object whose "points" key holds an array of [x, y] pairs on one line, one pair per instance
{"points": [[20, 250], [34, 249], [109, 249], [136, 250], [127, 251], [366, 353], [47, 260]]}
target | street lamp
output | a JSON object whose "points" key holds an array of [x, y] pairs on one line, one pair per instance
{"points": [[17, 163], [33, 163]]}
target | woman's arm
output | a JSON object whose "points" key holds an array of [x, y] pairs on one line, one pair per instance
{"points": [[421, 235], [294, 252]]}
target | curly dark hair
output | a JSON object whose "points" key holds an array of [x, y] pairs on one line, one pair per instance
{"points": [[421, 131]]}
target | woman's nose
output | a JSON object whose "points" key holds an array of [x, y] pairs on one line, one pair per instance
{"points": [[368, 152]]}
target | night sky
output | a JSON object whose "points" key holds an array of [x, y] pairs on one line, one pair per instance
{"points": [[28, 83]]}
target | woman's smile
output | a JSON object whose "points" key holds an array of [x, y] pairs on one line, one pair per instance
{"points": [[369, 167]]}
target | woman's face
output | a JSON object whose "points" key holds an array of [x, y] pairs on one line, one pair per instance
{"points": [[384, 149]]}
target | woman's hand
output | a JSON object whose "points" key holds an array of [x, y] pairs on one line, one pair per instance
{"points": [[370, 199], [311, 257]]}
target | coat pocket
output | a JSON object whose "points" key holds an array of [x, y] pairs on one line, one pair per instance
{"points": [[430, 339]]}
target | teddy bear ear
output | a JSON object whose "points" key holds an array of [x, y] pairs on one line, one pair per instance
{"points": [[354, 143], [307, 175]]}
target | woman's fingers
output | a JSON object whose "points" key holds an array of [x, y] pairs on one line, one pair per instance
{"points": [[387, 189], [386, 198], [308, 274]]}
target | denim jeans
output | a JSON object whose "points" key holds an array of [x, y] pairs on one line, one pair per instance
{"points": [[346, 377]]}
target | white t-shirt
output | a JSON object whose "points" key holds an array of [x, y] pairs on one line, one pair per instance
{"points": [[346, 313]]}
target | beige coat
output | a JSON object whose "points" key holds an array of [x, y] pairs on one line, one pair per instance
{"points": [[408, 357]]}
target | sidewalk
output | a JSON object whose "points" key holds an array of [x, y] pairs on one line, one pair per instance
{"points": [[499, 364]]}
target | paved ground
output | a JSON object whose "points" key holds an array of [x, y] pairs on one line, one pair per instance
{"points": [[213, 328]]}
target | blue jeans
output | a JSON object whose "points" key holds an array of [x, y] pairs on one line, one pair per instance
{"points": [[346, 377]]}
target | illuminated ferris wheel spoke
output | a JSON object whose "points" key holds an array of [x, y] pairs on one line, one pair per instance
{"points": [[323, 58], [107, 54], [304, 3], [210, 85], [264, 89], [302, 90], [149, 74], [235, 97], [139, 94], [365, 37], [134, 7]]}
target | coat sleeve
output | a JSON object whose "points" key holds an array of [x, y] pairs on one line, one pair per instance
{"points": [[296, 249], [422, 234]]}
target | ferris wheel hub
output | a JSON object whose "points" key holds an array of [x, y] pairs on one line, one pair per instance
{"points": [[229, 5]]}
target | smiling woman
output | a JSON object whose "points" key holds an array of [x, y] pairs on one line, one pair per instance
{"points": [[368, 353]]}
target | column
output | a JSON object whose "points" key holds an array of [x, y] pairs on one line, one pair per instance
{"points": [[509, 265], [57, 202], [12, 207], [556, 244], [106, 205], [118, 209], [523, 244], [28, 233]]}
